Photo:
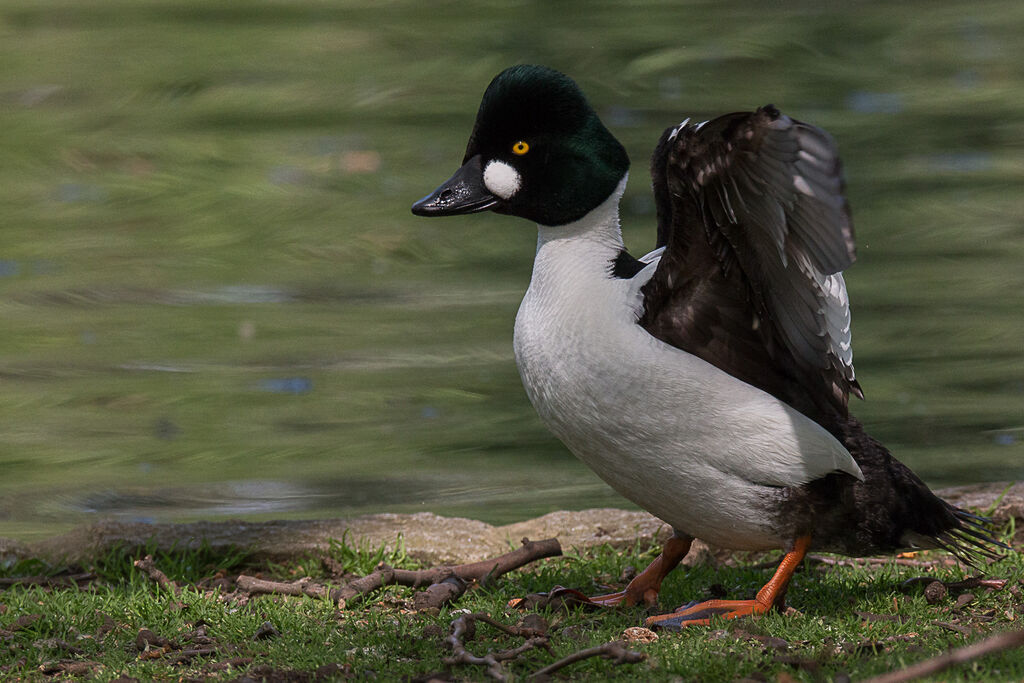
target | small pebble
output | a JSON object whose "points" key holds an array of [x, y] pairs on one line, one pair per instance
{"points": [[935, 592], [534, 621], [265, 631], [146, 639], [964, 600]]}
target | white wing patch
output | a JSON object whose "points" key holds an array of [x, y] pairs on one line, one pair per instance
{"points": [[837, 320], [501, 179], [652, 256], [675, 131], [800, 183]]}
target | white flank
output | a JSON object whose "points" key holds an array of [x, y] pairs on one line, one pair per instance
{"points": [[501, 179]]}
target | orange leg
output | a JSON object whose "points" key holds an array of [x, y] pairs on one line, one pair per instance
{"points": [[771, 595], [642, 589], [645, 586]]}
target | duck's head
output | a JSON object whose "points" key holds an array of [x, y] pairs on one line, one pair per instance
{"points": [[538, 150]]}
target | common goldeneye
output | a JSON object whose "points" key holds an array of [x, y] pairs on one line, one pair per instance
{"points": [[707, 381]]}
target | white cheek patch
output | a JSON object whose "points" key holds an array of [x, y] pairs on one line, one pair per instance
{"points": [[501, 179]]}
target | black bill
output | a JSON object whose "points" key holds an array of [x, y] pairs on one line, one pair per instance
{"points": [[464, 192]]}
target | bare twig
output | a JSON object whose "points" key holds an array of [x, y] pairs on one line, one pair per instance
{"points": [[492, 660], [976, 582], [524, 631], [997, 643], [255, 586], [72, 667], [956, 628], [148, 566], [869, 561], [955, 586], [614, 650]]}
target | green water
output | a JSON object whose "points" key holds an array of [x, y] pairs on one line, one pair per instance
{"points": [[215, 301]]}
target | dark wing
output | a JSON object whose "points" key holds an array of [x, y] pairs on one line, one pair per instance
{"points": [[756, 233]]}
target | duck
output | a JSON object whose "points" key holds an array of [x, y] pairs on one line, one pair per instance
{"points": [[708, 381]]}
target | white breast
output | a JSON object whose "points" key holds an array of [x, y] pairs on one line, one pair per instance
{"points": [[693, 445]]}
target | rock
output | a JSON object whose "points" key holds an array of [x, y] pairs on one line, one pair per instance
{"points": [[639, 634], [12, 550], [587, 528], [534, 621]]}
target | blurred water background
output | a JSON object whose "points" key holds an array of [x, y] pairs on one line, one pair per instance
{"points": [[215, 301]]}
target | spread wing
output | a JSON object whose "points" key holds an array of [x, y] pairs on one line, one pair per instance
{"points": [[756, 233]]}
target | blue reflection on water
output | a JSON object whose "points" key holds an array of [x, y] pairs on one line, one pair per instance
{"points": [[287, 385], [867, 102]]}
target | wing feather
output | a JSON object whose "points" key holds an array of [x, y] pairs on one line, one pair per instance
{"points": [[756, 231]]}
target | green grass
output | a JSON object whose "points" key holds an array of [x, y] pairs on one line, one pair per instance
{"points": [[101, 620]]}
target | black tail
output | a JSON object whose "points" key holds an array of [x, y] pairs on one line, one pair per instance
{"points": [[893, 510], [971, 541]]}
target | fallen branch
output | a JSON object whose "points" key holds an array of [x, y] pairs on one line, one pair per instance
{"points": [[475, 571], [440, 593], [862, 561], [997, 643], [614, 650], [255, 586], [445, 583], [528, 552]]}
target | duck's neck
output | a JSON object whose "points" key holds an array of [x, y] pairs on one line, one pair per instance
{"points": [[591, 242]]}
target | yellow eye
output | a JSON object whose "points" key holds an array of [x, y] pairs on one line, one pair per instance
{"points": [[520, 148]]}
